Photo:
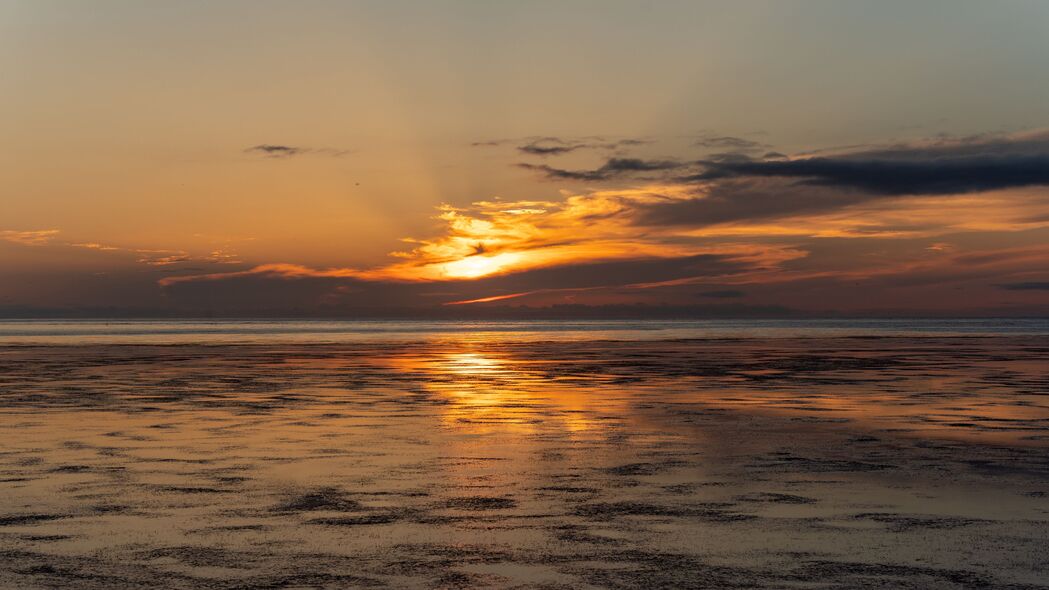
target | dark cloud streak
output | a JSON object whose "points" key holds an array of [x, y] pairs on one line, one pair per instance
{"points": [[1027, 286], [610, 170], [727, 142], [738, 188], [938, 176], [271, 150]]}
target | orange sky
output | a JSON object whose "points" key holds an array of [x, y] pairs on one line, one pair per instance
{"points": [[399, 157]]}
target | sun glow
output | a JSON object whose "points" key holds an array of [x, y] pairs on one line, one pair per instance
{"points": [[473, 267]]}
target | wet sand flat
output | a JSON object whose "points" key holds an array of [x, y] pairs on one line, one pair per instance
{"points": [[896, 462]]}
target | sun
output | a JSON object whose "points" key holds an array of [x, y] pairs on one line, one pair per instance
{"points": [[473, 267]]}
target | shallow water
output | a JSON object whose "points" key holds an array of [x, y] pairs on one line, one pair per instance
{"points": [[473, 459]]}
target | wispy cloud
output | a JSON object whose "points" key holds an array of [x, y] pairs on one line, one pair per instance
{"points": [[721, 294], [271, 150], [274, 271], [730, 143], [491, 298], [162, 256], [94, 246], [613, 168], [37, 237], [1027, 286], [555, 146]]}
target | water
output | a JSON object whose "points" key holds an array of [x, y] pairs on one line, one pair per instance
{"points": [[465, 462], [324, 331]]}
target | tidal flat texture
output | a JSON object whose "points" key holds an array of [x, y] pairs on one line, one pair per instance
{"points": [[754, 463]]}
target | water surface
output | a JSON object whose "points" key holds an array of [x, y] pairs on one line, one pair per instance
{"points": [[568, 459]]}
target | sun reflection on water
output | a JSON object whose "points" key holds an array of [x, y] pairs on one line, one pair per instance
{"points": [[495, 391], [472, 363]]}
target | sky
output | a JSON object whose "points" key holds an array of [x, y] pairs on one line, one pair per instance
{"points": [[365, 159]]}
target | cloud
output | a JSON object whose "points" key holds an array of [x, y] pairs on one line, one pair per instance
{"points": [[37, 237], [95, 246], [495, 249], [721, 294], [738, 189], [492, 298], [714, 230], [295, 286], [162, 257], [727, 142], [1026, 286], [933, 176], [274, 271], [613, 168], [270, 150], [538, 149], [946, 166], [555, 146], [275, 151]]}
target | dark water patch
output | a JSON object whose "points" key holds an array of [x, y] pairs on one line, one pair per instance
{"points": [[642, 468], [578, 534], [303, 580], [70, 469], [321, 499], [362, 519], [614, 510], [191, 489], [570, 489], [27, 569], [23, 519], [230, 479], [790, 463], [110, 509], [774, 498], [623, 570], [480, 503], [907, 522], [1017, 465], [869, 575], [202, 556], [456, 580], [461, 553], [231, 528], [45, 538]]}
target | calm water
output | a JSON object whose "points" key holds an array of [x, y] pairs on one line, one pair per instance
{"points": [[483, 461], [321, 331]]}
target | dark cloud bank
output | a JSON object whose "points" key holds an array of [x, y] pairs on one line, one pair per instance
{"points": [[268, 295], [741, 188]]}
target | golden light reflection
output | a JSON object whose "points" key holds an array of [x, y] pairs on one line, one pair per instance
{"points": [[472, 363], [495, 392]]}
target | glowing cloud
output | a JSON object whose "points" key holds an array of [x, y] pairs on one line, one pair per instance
{"points": [[29, 238]]}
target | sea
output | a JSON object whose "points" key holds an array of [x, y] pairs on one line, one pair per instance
{"points": [[273, 331]]}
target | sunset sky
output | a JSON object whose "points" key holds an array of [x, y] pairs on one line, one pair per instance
{"points": [[389, 157]]}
